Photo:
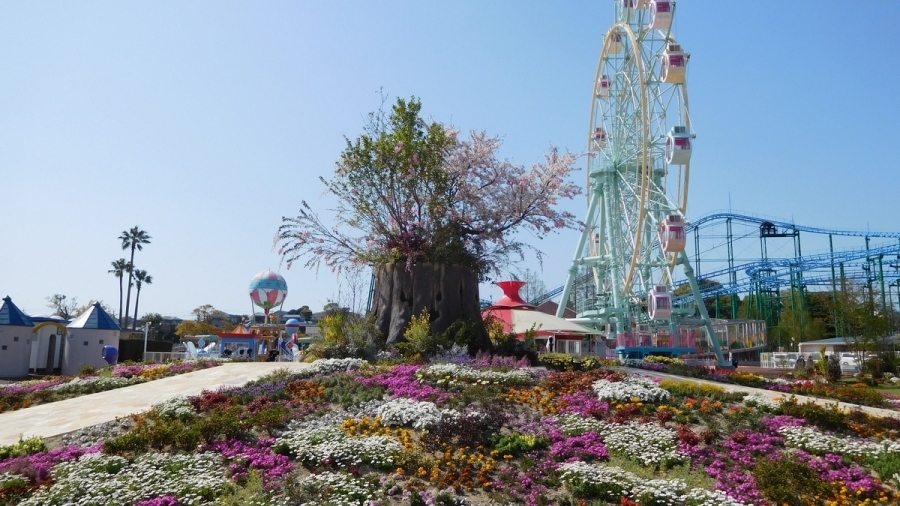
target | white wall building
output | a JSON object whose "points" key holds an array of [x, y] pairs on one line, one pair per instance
{"points": [[87, 335], [15, 340]]}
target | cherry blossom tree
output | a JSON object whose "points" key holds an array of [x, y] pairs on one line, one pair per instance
{"points": [[433, 213]]}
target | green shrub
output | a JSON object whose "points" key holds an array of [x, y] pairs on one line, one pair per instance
{"points": [[88, 370], [558, 362], [420, 343], [128, 443], [23, 447], [683, 389], [343, 389], [834, 369], [885, 464], [222, 424], [517, 444], [789, 481], [829, 417], [345, 335]]}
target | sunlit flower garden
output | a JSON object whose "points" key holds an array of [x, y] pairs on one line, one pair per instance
{"points": [[346, 432], [25, 394]]}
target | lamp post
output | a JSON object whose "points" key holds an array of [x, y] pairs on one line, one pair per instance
{"points": [[146, 330]]}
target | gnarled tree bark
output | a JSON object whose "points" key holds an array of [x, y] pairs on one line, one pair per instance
{"points": [[449, 292]]}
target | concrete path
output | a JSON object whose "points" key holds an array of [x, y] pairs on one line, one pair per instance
{"points": [[57, 418], [768, 393]]}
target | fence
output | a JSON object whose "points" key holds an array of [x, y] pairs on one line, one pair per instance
{"points": [[163, 356]]}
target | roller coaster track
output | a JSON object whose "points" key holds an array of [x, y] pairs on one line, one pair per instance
{"points": [[774, 273], [783, 224]]}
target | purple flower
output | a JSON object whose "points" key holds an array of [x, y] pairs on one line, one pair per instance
{"points": [[166, 500]]}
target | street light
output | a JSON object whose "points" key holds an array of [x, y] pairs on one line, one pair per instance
{"points": [[146, 330]]}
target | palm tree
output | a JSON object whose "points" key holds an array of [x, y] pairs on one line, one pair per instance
{"points": [[140, 277], [119, 267], [134, 239]]}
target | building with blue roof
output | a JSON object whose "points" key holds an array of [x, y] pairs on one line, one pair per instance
{"points": [[86, 336], [15, 340]]}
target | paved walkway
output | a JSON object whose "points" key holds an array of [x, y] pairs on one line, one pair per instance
{"points": [[57, 418], [769, 393]]}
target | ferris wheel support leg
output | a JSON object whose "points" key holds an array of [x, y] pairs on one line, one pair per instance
{"points": [[704, 314], [573, 270]]}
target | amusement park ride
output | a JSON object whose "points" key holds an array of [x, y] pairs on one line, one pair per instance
{"points": [[265, 339], [633, 246], [640, 141]]}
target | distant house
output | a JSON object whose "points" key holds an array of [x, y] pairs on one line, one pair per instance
{"points": [[15, 340]]}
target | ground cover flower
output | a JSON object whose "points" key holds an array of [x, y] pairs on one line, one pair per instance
{"points": [[612, 484], [456, 374], [37, 467], [106, 480], [332, 365], [402, 381], [330, 446], [244, 457], [632, 387], [336, 489], [416, 414], [819, 443]]}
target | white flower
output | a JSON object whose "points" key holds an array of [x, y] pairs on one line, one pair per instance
{"points": [[633, 386], [813, 441], [611, 482]]}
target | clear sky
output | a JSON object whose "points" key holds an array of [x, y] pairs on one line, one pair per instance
{"points": [[205, 122]]}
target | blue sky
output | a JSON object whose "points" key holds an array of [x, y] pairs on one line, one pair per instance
{"points": [[205, 122]]}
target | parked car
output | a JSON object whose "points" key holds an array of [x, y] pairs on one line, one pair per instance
{"points": [[849, 362], [782, 359]]}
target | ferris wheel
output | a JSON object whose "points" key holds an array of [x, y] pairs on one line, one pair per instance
{"points": [[639, 142]]}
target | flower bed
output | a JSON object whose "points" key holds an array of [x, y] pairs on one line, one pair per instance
{"points": [[31, 393], [860, 394], [483, 436]]}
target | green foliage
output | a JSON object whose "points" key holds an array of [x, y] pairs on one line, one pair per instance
{"points": [[695, 477], [345, 335], [192, 328], [88, 370], [559, 362], [420, 342], [885, 464], [23, 447], [684, 389], [822, 364], [251, 491], [565, 362], [129, 443], [413, 458], [789, 481], [834, 368], [345, 390], [829, 417], [516, 444], [659, 359]]}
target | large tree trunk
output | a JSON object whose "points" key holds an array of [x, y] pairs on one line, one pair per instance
{"points": [[449, 292]]}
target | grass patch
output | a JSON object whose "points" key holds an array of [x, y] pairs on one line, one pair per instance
{"points": [[693, 478]]}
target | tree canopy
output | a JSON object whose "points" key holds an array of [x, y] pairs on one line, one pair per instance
{"points": [[412, 191]]}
